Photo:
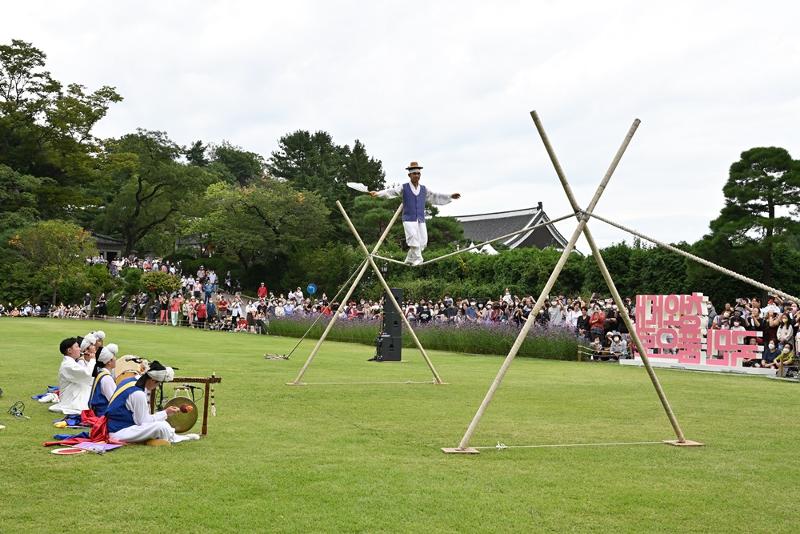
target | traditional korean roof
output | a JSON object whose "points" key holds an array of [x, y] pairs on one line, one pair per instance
{"points": [[485, 226]]}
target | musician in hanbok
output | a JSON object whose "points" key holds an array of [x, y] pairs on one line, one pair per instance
{"points": [[75, 375], [104, 386], [128, 415]]}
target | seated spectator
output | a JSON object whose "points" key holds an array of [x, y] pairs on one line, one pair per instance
{"points": [[618, 347], [785, 357]]}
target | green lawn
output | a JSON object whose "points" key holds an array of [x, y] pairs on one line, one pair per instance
{"points": [[366, 458]]}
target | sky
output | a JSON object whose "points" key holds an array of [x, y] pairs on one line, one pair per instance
{"points": [[452, 84]]}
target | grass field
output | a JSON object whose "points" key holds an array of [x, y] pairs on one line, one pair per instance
{"points": [[366, 458]]}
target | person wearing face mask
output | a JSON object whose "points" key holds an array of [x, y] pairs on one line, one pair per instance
{"points": [[768, 355], [785, 331], [722, 321], [771, 323], [786, 357], [736, 324]]}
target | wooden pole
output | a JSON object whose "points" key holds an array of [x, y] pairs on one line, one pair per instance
{"points": [[436, 378], [463, 446], [296, 381], [204, 429], [601, 264]]}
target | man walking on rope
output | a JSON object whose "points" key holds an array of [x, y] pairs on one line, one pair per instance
{"points": [[415, 197]]}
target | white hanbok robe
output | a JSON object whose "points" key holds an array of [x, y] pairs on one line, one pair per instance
{"points": [[416, 232], [148, 426], [75, 385]]}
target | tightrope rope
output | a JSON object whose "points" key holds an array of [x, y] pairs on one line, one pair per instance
{"points": [[698, 259], [460, 251], [319, 316]]}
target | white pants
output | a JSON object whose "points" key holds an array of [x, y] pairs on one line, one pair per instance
{"points": [[147, 431], [416, 239]]}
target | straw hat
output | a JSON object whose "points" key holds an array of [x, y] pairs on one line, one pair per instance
{"points": [[414, 166]]}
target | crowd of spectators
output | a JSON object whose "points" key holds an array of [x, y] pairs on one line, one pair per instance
{"points": [[203, 302]]}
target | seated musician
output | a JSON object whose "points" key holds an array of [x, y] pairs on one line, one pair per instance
{"points": [[128, 413], [104, 385], [75, 376]]}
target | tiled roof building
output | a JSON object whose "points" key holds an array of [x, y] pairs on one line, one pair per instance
{"points": [[485, 226]]}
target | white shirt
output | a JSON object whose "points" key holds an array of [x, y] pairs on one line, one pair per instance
{"points": [[137, 404], [75, 386], [437, 199], [107, 387]]}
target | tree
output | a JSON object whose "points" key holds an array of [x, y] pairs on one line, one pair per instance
{"points": [[196, 154], [45, 129], [18, 203], [237, 165], [314, 162], [54, 250], [762, 190], [147, 185], [158, 282], [267, 219]]}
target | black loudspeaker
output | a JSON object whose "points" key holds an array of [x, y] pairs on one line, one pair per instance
{"points": [[388, 349], [389, 345], [392, 322]]}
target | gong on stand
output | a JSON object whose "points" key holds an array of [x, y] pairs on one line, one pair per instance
{"points": [[184, 420]]}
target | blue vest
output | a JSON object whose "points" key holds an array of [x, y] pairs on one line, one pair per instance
{"points": [[118, 415], [97, 401], [414, 205]]}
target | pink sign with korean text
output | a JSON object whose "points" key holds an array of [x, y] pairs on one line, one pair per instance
{"points": [[675, 328]]}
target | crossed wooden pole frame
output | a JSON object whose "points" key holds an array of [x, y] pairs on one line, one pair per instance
{"points": [[582, 228], [369, 263]]}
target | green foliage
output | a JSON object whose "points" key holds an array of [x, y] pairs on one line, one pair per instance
{"points": [[158, 282], [314, 162], [233, 164], [55, 251], [46, 130], [18, 198], [148, 186], [764, 181], [132, 281], [261, 222]]}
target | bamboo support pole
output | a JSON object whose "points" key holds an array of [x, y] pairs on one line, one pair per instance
{"points": [[335, 315], [601, 264], [698, 259], [436, 378], [463, 446]]}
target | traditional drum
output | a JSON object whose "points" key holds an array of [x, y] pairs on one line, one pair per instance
{"points": [[129, 366]]}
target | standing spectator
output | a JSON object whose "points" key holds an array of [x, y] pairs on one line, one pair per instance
{"points": [[784, 332], [582, 323], [174, 309], [771, 324], [222, 307], [236, 310], [87, 304], [228, 281], [102, 305], [163, 305], [262, 291], [202, 314], [597, 322]]}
